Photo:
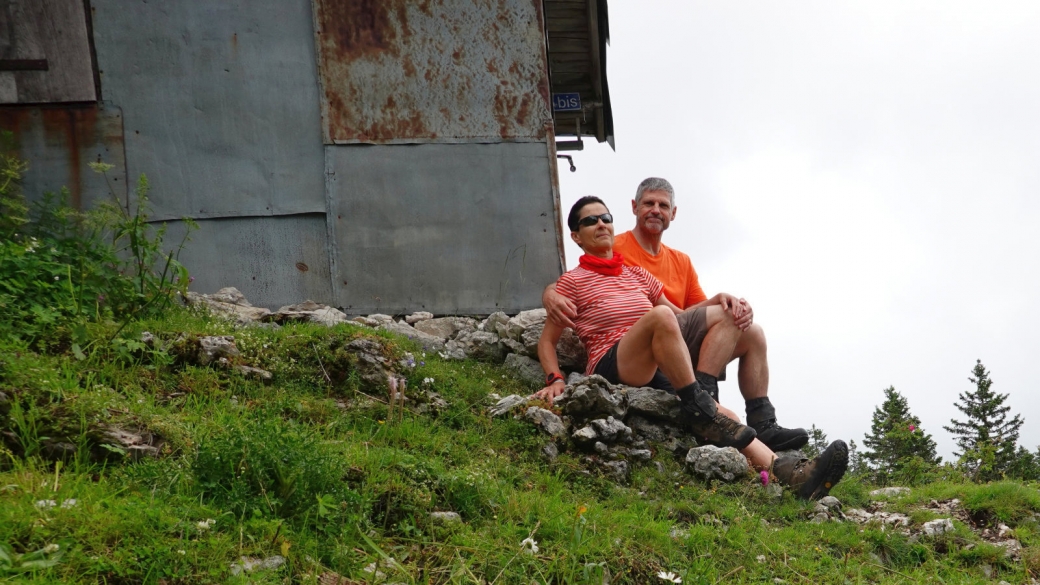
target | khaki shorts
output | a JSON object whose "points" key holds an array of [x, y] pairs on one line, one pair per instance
{"points": [[694, 326]]}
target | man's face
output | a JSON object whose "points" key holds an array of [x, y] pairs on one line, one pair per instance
{"points": [[654, 212]]}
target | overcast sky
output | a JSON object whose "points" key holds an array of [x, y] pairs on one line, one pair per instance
{"points": [[866, 174]]}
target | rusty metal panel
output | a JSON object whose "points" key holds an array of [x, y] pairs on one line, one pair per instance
{"points": [[44, 52], [274, 261], [447, 228], [220, 101], [59, 141], [409, 71]]}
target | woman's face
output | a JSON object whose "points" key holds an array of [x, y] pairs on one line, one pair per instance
{"points": [[594, 238]]}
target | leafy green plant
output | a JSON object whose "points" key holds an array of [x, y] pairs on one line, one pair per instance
{"points": [[12, 563], [62, 269]]}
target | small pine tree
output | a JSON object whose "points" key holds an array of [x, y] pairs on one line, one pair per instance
{"points": [[817, 443], [987, 440], [897, 446]]}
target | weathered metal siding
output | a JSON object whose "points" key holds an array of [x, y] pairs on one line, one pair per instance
{"points": [[220, 102], [405, 71], [446, 228], [53, 35], [60, 141], [274, 261]]}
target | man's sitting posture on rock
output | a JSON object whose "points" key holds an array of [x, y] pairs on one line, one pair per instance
{"points": [[716, 330], [630, 331]]}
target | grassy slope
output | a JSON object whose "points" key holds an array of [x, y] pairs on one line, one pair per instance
{"points": [[316, 472]]}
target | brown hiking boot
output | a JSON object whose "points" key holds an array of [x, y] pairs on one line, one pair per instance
{"points": [[703, 416], [812, 480]]}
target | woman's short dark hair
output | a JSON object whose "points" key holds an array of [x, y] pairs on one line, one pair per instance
{"points": [[573, 217]]}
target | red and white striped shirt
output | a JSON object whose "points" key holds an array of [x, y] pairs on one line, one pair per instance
{"points": [[608, 306]]}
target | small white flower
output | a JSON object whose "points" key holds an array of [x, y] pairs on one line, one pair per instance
{"points": [[68, 503], [205, 524], [427, 382], [181, 552], [529, 546], [669, 576], [50, 548], [55, 278], [46, 504]]}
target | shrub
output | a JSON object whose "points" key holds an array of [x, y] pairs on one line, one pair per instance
{"points": [[61, 269]]}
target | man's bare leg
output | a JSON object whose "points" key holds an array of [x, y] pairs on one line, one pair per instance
{"points": [[753, 369]]}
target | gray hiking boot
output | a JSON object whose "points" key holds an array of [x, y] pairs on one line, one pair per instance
{"points": [[702, 415], [812, 480], [761, 416]]}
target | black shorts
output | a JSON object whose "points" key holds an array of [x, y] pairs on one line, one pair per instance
{"points": [[694, 326]]}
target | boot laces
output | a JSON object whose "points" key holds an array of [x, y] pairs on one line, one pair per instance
{"points": [[726, 423]]}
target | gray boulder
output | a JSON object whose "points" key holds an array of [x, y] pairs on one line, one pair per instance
{"points": [[594, 397], [652, 430], [585, 436], [547, 421], [372, 367], [418, 316], [228, 302], [497, 323], [526, 369], [446, 327], [477, 345], [710, 462], [889, 492], [310, 312], [569, 349], [214, 347], [428, 341], [610, 430], [654, 404], [938, 527]]}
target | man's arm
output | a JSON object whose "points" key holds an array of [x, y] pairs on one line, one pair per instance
{"points": [[741, 310], [559, 308]]}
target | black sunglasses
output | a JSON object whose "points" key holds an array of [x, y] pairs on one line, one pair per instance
{"points": [[590, 220]]}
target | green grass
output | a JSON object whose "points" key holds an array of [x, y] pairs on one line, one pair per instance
{"points": [[314, 467]]}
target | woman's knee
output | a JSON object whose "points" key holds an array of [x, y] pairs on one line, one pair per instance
{"points": [[664, 318]]}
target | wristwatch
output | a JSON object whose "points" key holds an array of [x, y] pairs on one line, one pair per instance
{"points": [[552, 378]]}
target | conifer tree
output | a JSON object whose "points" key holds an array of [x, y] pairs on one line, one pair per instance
{"points": [[897, 447], [987, 440]]}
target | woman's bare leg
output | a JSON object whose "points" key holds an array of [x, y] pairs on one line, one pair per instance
{"points": [[654, 341]]}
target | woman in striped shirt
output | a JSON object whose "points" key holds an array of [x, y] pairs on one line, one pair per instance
{"points": [[630, 333]]}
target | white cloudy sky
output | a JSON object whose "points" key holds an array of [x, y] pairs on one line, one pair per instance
{"points": [[866, 174]]}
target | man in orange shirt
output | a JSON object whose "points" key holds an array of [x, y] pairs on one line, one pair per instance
{"points": [[717, 330]]}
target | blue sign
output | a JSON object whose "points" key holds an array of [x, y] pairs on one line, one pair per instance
{"points": [[566, 102]]}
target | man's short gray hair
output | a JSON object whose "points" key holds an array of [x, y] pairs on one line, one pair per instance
{"points": [[655, 184]]}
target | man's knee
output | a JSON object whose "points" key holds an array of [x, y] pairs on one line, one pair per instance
{"points": [[755, 336], [718, 317]]}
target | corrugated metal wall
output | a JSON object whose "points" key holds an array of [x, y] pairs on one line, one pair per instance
{"points": [[220, 105]]}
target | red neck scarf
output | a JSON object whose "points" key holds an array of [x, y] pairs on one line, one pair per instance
{"points": [[611, 267]]}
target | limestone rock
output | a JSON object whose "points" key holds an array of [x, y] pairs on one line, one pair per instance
{"points": [[497, 323], [135, 444], [651, 430], [446, 327], [229, 303], [640, 454], [371, 366], [654, 404], [889, 492], [569, 350], [506, 404], [547, 421], [255, 373], [214, 347], [526, 369], [830, 503], [418, 316], [446, 518], [477, 345], [524, 319], [710, 462], [250, 564], [938, 527], [617, 469], [550, 451], [428, 341], [585, 436], [380, 318], [610, 430], [593, 398]]}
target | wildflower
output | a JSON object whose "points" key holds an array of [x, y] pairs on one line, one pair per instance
{"points": [[423, 363], [46, 504], [427, 382], [912, 427], [56, 278], [68, 503], [765, 477], [181, 552], [669, 576], [100, 299], [51, 548], [191, 279], [205, 524], [529, 546], [381, 422]]}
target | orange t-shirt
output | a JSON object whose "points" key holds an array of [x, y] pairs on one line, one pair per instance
{"points": [[671, 267]]}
